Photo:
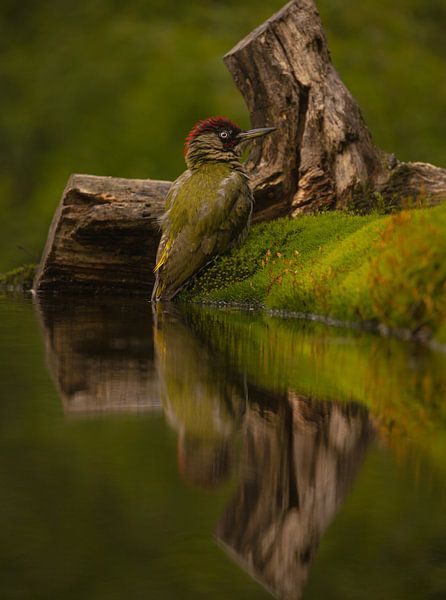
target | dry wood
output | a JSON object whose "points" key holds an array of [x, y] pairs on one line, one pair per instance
{"points": [[323, 155], [104, 235]]}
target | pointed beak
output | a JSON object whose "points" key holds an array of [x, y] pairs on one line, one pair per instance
{"points": [[244, 136]]}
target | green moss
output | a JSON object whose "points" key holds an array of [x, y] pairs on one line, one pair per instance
{"points": [[18, 280], [240, 266], [386, 269]]}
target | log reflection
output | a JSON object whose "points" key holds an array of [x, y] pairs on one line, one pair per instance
{"points": [[100, 353], [299, 460]]}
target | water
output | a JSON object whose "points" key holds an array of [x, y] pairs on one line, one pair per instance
{"points": [[215, 454]]}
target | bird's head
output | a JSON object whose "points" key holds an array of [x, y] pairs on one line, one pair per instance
{"points": [[218, 139]]}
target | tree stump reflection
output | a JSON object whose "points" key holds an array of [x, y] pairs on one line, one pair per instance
{"points": [[300, 457]]}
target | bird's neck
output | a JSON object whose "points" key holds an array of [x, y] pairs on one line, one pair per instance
{"points": [[198, 157]]}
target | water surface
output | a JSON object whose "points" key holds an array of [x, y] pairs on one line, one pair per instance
{"points": [[196, 453]]}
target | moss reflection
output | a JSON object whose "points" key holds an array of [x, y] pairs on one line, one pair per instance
{"points": [[403, 385]]}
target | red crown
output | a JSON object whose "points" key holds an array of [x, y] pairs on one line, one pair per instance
{"points": [[209, 124]]}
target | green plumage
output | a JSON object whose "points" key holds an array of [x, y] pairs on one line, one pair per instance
{"points": [[207, 212], [208, 208]]}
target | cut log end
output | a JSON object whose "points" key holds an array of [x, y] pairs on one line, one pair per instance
{"points": [[104, 236]]}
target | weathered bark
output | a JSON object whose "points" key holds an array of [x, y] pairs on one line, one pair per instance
{"points": [[323, 155], [104, 235]]}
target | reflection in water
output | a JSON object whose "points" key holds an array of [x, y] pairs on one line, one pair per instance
{"points": [[300, 458], [100, 354], [202, 398], [297, 457], [403, 385]]}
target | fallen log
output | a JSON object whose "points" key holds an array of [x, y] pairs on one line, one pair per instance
{"points": [[104, 233]]}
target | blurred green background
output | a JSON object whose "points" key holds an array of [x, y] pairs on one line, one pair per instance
{"points": [[112, 88]]}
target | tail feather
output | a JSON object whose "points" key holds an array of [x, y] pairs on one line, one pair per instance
{"points": [[164, 255]]}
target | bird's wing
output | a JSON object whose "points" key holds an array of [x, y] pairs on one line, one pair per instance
{"points": [[172, 196], [207, 230], [163, 221]]}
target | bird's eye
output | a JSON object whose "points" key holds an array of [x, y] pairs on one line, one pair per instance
{"points": [[224, 134]]}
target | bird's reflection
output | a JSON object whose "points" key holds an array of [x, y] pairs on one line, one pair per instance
{"points": [[296, 457], [203, 399]]}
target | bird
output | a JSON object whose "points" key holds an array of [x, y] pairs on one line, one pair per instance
{"points": [[208, 208]]}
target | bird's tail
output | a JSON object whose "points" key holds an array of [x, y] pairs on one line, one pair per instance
{"points": [[163, 257]]}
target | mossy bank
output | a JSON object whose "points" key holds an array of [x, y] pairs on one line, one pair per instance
{"points": [[386, 270]]}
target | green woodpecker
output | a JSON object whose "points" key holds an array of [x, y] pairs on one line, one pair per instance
{"points": [[208, 208]]}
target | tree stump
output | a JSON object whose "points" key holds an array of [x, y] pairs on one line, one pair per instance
{"points": [[323, 155], [104, 233]]}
